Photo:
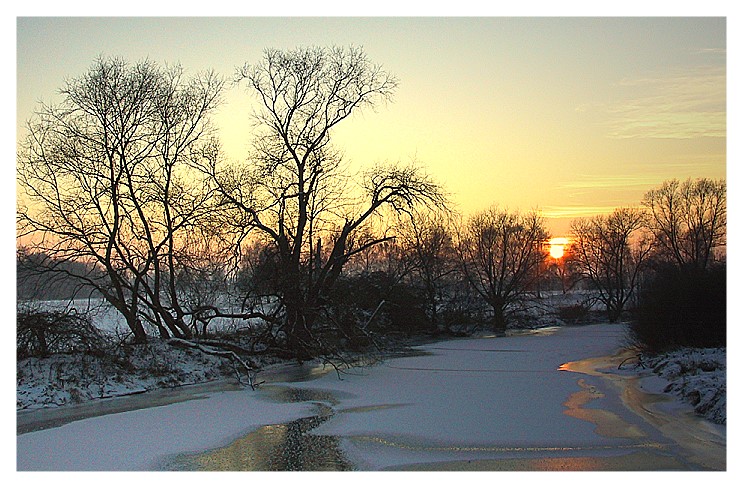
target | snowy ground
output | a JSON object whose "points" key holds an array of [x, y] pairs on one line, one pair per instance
{"points": [[466, 400], [698, 377], [69, 379], [63, 380]]}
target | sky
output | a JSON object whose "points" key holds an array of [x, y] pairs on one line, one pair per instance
{"points": [[572, 116]]}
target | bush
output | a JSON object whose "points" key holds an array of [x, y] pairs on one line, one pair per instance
{"points": [[41, 333], [356, 298], [681, 308], [573, 314]]}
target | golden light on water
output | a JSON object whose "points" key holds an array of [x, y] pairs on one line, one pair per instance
{"points": [[557, 247]]}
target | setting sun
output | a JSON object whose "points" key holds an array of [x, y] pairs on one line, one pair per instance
{"points": [[557, 247]]}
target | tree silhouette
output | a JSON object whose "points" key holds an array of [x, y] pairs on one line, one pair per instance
{"points": [[106, 180], [610, 253], [501, 254], [689, 219], [294, 193]]}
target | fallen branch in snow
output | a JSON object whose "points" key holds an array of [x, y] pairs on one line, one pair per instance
{"points": [[638, 364], [231, 355], [372, 315]]}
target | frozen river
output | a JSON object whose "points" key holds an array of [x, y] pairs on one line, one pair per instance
{"points": [[549, 401]]}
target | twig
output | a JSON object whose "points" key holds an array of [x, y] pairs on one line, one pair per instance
{"points": [[221, 353]]}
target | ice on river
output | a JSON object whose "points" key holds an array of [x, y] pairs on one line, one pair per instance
{"points": [[464, 399]]}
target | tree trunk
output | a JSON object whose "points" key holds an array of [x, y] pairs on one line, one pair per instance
{"points": [[499, 319], [135, 325], [298, 326], [614, 311], [432, 303], [164, 334], [41, 339]]}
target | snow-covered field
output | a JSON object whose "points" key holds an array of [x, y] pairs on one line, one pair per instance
{"points": [[466, 400], [108, 319]]}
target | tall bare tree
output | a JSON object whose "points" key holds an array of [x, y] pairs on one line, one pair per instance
{"points": [[501, 254], [610, 252], [689, 219], [295, 193], [105, 179]]}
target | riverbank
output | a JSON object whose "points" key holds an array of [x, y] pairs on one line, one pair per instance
{"points": [[44, 417]]}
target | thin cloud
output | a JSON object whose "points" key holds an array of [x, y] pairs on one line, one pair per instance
{"points": [[575, 211], [711, 50], [589, 182], [678, 105]]}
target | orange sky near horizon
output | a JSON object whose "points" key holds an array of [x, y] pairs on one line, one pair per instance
{"points": [[571, 116]]}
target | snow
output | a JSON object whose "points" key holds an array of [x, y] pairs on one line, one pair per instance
{"points": [[137, 440], [68, 379], [697, 376], [62, 380], [106, 318], [473, 391], [462, 393], [65, 379]]}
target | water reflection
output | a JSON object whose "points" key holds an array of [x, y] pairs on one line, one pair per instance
{"points": [[294, 373], [289, 394], [608, 424], [279, 447], [700, 442]]}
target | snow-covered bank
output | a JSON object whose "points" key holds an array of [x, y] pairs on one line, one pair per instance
{"points": [[68, 379], [698, 376]]}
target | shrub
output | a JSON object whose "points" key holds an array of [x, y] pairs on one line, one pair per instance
{"points": [[40, 333], [681, 308], [573, 314], [396, 306]]}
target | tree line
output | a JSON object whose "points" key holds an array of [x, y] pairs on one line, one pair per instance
{"points": [[665, 259], [126, 190]]}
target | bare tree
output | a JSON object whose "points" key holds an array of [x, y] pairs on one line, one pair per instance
{"points": [[563, 270], [106, 180], [428, 246], [501, 254], [295, 193], [610, 252], [689, 219]]}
